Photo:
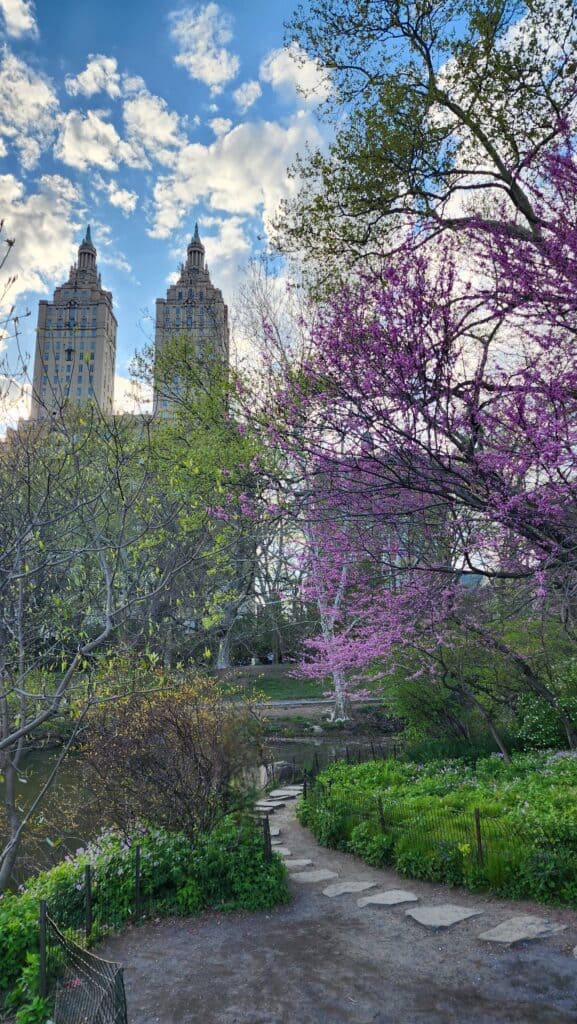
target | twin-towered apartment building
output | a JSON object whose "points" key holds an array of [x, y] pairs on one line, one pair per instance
{"points": [[75, 353]]}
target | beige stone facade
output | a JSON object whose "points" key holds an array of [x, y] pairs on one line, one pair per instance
{"points": [[75, 341], [194, 308]]}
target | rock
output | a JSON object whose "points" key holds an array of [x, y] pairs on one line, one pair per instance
{"points": [[340, 888], [280, 771], [321, 875], [282, 794], [390, 898], [303, 862], [521, 928], [441, 916], [274, 831]]}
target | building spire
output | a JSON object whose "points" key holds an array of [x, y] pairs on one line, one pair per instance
{"points": [[87, 240], [196, 234]]}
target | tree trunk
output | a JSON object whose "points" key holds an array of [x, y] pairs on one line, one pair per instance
{"points": [[339, 712]]}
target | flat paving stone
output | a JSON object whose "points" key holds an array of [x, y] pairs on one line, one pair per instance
{"points": [[340, 888], [443, 915], [321, 875], [283, 850], [388, 899], [298, 862], [274, 831], [282, 794], [521, 928]]}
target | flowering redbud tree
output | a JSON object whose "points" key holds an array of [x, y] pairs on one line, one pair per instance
{"points": [[442, 388]]}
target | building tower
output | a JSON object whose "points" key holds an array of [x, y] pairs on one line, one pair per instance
{"points": [[193, 308], [75, 341]]}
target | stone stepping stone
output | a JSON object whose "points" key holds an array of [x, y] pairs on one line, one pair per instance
{"points": [[340, 888], [282, 794], [276, 841], [390, 898], [274, 831], [444, 915], [521, 928], [283, 850], [321, 875], [269, 808], [302, 862]]}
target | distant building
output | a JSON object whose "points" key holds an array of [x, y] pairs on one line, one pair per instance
{"points": [[195, 308], [75, 341]]}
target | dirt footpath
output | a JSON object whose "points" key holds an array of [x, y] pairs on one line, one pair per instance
{"points": [[327, 961]]}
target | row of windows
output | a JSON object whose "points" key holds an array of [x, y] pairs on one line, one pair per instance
{"points": [[66, 390], [57, 345]]}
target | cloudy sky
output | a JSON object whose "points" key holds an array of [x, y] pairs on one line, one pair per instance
{"points": [[141, 118]]}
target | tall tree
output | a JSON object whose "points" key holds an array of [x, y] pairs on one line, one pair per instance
{"points": [[436, 107]]}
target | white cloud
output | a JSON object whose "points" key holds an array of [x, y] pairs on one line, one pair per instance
{"points": [[89, 140], [19, 18], [45, 226], [15, 396], [152, 126], [201, 34], [290, 71], [131, 396], [246, 94], [122, 198], [100, 75], [28, 107], [243, 172], [132, 83], [220, 125]]}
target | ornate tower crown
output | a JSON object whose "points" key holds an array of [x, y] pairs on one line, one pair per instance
{"points": [[195, 252], [87, 252]]}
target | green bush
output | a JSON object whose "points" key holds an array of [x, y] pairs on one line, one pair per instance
{"points": [[225, 869], [538, 726], [420, 818]]}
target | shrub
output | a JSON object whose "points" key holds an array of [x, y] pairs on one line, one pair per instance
{"points": [[421, 819], [225, 869], [181, 758]]}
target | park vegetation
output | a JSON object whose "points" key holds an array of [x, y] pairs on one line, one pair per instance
{"points": [[386, 496]]}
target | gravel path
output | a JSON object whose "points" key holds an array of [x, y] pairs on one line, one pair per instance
{"points": [[324, 960]]}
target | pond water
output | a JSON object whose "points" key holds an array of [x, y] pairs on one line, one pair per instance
{"points": [[72, 801]]}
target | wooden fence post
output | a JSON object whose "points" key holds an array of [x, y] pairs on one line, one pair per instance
{"points": [[267, 839], [478, 835], [137, 883], [42, 971], [88, 898]]}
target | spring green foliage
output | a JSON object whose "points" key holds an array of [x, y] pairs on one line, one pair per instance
{"points": [[224, 869], [420, 819], [430, 100]]}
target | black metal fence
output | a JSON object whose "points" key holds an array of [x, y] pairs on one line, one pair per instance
{"points": [[451, 844], [85, 988]]}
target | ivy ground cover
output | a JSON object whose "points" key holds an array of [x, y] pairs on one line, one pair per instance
{"points": [[509, 828]]}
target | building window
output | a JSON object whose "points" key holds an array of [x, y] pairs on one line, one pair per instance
{"points": [[81, 345], [78, 391], [91, 392], [180, 295], [92, 347], [92, 356]]}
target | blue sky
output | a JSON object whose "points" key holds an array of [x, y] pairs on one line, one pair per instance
{"points": [[142, 118]]}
